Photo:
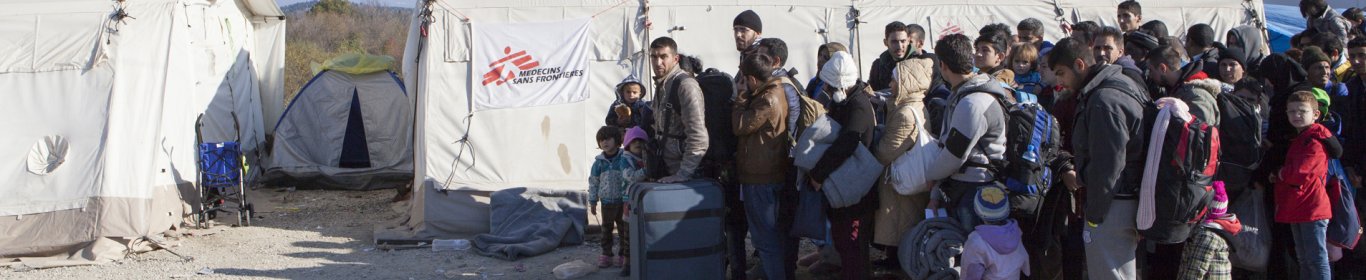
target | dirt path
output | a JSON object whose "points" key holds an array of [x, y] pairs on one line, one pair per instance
{"points": [[311, 234]]}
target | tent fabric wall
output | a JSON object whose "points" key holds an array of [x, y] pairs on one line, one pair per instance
{"points": [[122, 95], [308, 146], [458, 151]]}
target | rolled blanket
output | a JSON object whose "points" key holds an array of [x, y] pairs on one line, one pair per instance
{"points": [[927, 251], [813, 142]]}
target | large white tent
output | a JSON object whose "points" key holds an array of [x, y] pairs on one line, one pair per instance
{"points": [[462, 153], [103, 98]]}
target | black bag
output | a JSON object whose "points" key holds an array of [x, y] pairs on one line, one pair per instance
{"points": [[1185, 174], [717, 90], [1240, 155], [676, 230]]}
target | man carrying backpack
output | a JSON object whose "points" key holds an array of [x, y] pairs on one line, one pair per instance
{"points": [[1108, 141], [973, 134], [681, 132]]}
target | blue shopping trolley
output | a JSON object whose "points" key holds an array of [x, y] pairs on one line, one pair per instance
{"points": [[220, 181]]}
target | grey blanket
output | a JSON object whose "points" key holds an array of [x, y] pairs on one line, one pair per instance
{"points": [[927, 250], [528, 222]]}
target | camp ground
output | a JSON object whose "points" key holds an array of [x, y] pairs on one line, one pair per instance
{"points": [[187, 138]]}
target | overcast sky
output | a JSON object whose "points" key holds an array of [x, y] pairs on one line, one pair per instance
{"points": [[393, 3]]}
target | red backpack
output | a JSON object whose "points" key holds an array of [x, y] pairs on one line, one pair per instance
{"points": [[1185, 173]]}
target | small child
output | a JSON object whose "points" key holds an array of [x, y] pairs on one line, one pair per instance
{"points": [[994, 249], [635, 153], [1024, 60], [607, 183], [629, 110], [1206, 252], [1300, 194]]}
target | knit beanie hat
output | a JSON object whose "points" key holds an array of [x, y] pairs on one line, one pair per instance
{"points": [[1312, 55], [1142, 40], [992, 205], [749, 19], [840, 71], [633, 134], [1219, 206], [1234, 53]]}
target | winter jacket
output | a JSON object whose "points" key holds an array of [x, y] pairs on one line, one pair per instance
{"points": [[898, 213], [1208, 61], [995, 252], [1300, 194], [855, 116], [973, 132], [880, 76], [815, 90], [759, 119], [608, 180], [1108, 138], [1331, 22], [1031, 82], [1354, 132], [1200, 92], [681, 132], [641, 115]]}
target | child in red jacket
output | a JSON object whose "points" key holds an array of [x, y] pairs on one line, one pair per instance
{"points": [[1301, 199]]}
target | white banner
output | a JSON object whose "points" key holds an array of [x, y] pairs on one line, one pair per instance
{"points": [[520, 65]]}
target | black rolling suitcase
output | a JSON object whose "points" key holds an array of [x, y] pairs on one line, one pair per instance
{"points": [[676, 230]]}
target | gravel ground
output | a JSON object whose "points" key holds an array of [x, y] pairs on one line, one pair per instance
{"points": [[311, 234]]}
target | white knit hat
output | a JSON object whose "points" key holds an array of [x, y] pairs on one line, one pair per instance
{"points": [[840, 71]]}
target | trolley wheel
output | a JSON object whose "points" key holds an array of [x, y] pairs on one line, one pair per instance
{"points": [[246, 214]]}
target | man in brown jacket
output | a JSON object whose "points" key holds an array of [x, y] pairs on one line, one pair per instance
{"points": [[759, 119]]}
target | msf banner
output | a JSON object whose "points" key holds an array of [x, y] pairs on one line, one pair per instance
{"points": [[530, 64]]}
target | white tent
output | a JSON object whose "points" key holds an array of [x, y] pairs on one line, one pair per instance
{"points": [[103, 100], [344, 131], [462, 154]]}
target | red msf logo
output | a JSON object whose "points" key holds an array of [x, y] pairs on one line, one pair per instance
{"points": [[951, 29], [501, 74]]}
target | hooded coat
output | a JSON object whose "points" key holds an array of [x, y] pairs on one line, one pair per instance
{"points": [[995, 252], [1249, 38], [898, 213]]}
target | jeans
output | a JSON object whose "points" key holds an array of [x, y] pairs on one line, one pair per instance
{"points": [[1311, 248], [961, 198], [761, 210]]}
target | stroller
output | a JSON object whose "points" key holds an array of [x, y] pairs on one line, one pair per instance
{"points": [[220, 180]]}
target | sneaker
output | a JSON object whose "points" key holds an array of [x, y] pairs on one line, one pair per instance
{"points": [[625, 271], [621, 261], [809, 259], [604, 261]]}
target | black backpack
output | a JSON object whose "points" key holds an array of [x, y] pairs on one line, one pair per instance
{"points": [[717, 89], [1186, 167], [1033, 141], [1239, 155]]}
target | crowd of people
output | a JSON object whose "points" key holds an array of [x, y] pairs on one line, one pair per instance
{"points": [[1288, 146]]}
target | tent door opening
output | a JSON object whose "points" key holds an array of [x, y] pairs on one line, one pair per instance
{"points": [[355, 153]]}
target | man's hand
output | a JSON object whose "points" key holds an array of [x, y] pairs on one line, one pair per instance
{"points": [[672, 179], [593, 208], [814, 185], [1070, 179]]}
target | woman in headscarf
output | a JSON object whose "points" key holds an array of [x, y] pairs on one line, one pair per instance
{"points": [[899, 213]]}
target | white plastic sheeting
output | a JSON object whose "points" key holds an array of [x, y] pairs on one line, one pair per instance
{"points": [[121, 95]]}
